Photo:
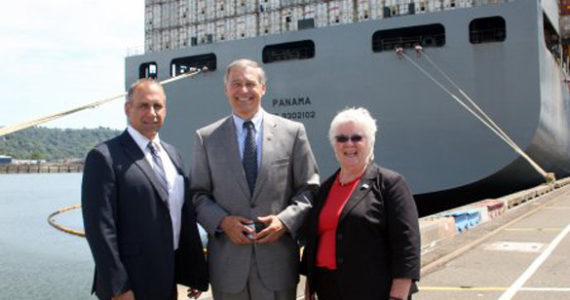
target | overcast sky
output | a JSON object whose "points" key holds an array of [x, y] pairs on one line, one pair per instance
{"points": [[58, 54]]}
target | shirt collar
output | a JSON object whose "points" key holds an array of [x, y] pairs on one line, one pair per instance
{"points": [[142, 141], [256, 120]]}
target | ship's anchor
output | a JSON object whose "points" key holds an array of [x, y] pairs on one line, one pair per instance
{"points": [[473, 108]]}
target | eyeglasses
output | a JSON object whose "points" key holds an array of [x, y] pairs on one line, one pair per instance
{"points": [[343, 138]]}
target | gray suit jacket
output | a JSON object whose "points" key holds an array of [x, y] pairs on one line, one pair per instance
{"points": [[286, 180]]}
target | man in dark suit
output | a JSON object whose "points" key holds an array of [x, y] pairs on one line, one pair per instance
{"points": [[139, 219]]}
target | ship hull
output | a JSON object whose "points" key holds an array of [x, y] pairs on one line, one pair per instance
{"points": [[447, 156]]}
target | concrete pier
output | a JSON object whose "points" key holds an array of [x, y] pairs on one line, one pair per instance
{"points": [[513, 247], [41, 168]]}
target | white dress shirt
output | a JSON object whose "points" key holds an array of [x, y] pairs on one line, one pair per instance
{"points": [[175, 181]]}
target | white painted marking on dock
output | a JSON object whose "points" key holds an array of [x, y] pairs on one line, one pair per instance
{"points": [[490, 289], [551, 289], [556, 229], [516, 286], [515, 246]]}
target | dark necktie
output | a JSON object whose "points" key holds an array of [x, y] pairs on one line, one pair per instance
{"points": [[249, 160], [158, 167]]}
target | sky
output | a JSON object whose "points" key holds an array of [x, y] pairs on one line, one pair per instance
{"points": [[59, 54]]}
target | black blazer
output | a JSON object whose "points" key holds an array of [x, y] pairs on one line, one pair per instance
{"points": [[128, 226], [377, 238]]}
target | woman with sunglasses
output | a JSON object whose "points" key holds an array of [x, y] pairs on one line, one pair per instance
{"points": [[363, 239]]}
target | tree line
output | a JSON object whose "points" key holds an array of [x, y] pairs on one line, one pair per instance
{"points": [[53, 143]]}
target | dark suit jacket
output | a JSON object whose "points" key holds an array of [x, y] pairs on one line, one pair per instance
{"points": [[377, 237], [128, 226]]}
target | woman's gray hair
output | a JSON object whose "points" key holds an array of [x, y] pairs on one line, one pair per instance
{"points": [[245, 63], [360, 116]]}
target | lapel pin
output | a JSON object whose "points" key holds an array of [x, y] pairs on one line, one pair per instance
{"points": [[364, 186]]}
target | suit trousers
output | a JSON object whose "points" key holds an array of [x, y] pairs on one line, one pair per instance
{"points": [[255, 289], [326, 284]]}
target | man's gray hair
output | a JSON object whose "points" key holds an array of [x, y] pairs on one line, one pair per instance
{"points": [[140, 82], [246, 63], [360, 116]]}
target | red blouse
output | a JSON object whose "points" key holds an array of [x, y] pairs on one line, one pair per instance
{"points": [[328, 221]]}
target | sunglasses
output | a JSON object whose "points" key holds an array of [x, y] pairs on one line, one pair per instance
{"points": [[343, 138]]}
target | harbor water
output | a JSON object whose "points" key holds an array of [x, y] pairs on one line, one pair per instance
{"points": [[38, 261]]}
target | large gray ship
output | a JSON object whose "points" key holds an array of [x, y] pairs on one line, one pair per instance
{"points": [[505, 55]]}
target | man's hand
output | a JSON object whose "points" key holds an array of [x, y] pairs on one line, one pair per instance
{"points": [[234, 228], [128, 295], [273, 231], [194, 293]]}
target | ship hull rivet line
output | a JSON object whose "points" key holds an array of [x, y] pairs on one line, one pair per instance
{"points": [[475, 110]]}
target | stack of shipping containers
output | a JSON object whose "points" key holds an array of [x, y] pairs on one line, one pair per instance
{"points": [[172, 24]]}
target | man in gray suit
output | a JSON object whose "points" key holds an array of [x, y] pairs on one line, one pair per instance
{"points": [[139, 219], [253, 178]]}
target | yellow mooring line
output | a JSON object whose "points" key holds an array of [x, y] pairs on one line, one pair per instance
{"points": [[51, 221]]}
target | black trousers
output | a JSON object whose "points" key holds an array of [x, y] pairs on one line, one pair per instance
{"points": [[327, 285]]}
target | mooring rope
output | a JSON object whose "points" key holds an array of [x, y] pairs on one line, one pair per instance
{"points": [[477, 111], [17, 127]]}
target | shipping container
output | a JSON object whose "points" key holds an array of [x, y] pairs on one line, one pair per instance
{"points": [[448, 4], [363, 10], [318, 12], [157, 16], [201, 11], [290, 17], [174, 38], [183, 13], [165, 33], [183, 37], [192, 35], [270, 22], [244, 7], [377, 9], [420, 6], [225, 30], [268, 6], [148, 18], [192, 11], [434, 5], [205, 32], [246, 26]]}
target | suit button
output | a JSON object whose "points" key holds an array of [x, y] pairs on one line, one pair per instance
{"points": [[252, 206], [339, 261], [339, 236]]}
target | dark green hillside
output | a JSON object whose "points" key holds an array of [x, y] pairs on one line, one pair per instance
{"points": [[53, 143]]}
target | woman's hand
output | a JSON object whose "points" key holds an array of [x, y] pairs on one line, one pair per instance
{"points": [[400, 288]]}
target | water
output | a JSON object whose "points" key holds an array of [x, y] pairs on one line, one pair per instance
{"points": [[36, 260]]}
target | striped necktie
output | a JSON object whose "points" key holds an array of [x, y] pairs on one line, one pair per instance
{"points": [[158, 167], [249, 160]]}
